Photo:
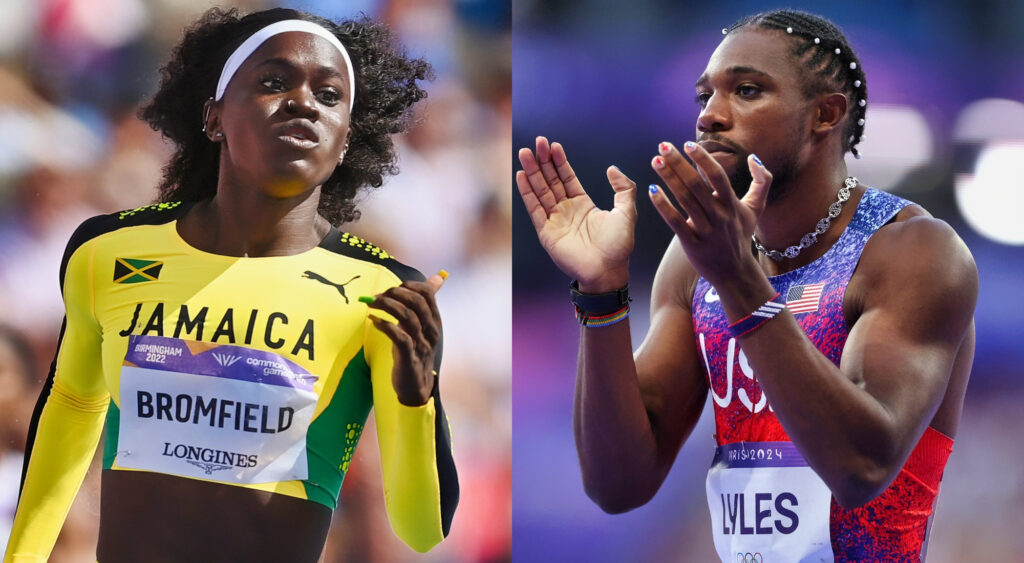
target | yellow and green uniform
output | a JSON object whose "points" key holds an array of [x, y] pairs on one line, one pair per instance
{"points": [[253, 372]]}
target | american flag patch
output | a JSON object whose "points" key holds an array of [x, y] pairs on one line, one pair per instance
{"points": [[804, 298]]}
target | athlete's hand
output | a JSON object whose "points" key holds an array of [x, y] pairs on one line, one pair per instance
{"points": [[715, 233], [588, 244], [416, 336]]}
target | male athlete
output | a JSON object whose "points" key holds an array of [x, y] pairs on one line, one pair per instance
{"points": [[831, 322]]}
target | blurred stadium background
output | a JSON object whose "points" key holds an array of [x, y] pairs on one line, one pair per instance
{"points": [[72, 74], [945, 128]]}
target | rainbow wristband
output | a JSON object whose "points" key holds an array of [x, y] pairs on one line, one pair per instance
{"points": [[593, 321], [763, 314]]}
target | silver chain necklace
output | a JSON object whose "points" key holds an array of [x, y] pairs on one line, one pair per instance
{"points": [[810, 238]]}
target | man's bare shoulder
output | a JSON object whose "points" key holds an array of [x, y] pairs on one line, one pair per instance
{"points": [[915, 238], [920, 254]]}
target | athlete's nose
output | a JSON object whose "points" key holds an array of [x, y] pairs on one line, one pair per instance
{"points": [[716, 115], [302, 103]]}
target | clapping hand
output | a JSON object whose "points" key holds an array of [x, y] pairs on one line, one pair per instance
{"points": [[716, 230], [586, 243]]}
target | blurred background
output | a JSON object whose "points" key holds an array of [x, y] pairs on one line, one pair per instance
{"points": [[945, 128], [72, 75]]}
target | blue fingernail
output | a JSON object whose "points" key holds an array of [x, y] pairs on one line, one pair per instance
{"points": [[757, 160], [690, 145], [654, 188]]}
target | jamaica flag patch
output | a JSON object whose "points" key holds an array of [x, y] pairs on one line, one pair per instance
{"points": [[133, 270]]}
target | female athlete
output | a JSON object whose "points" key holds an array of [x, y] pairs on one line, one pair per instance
{"points": [[230, 339]]}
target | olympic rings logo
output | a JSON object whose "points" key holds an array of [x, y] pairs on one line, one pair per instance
{"points": [[749, 557]]}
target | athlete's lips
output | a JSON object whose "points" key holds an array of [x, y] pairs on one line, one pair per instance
{"points": [[300, 132], [715, 146]]}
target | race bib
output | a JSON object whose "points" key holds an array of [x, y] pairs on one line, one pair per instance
{"points": [[220, 412], [767, 505]]}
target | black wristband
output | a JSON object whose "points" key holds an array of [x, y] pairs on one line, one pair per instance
{"points": [[599, 303]]}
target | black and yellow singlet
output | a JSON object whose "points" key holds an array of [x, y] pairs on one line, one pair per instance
{"points": [[252, 372]]}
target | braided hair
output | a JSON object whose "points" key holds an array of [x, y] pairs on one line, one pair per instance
{"points": [[386, 88], [828, 62]]}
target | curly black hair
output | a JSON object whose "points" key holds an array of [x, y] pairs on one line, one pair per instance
{"points": [[386, 88], [828, 62]]}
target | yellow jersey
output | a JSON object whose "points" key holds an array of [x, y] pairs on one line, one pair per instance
{"points": [[253, 372]]}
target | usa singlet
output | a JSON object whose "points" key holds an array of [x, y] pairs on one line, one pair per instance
{"points": [[251, 372], [763, 497]]}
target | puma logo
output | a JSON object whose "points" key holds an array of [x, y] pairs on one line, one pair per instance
{"points": [[340, 286]]}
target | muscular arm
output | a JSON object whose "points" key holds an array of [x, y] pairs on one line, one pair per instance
{"points": [[857, 424], [633, 413]]}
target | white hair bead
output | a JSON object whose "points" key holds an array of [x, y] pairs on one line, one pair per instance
{"points": [[817, 40], [863, 103], [838, 51], [853, 66], [860, 121], [856, 83], [789, 30]]}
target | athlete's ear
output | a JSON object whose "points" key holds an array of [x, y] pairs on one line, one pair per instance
{"points": [[831, 108], [211, 121], [348, 136]]}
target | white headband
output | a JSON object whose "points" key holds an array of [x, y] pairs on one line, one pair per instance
{"points": [[255, 40]]}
